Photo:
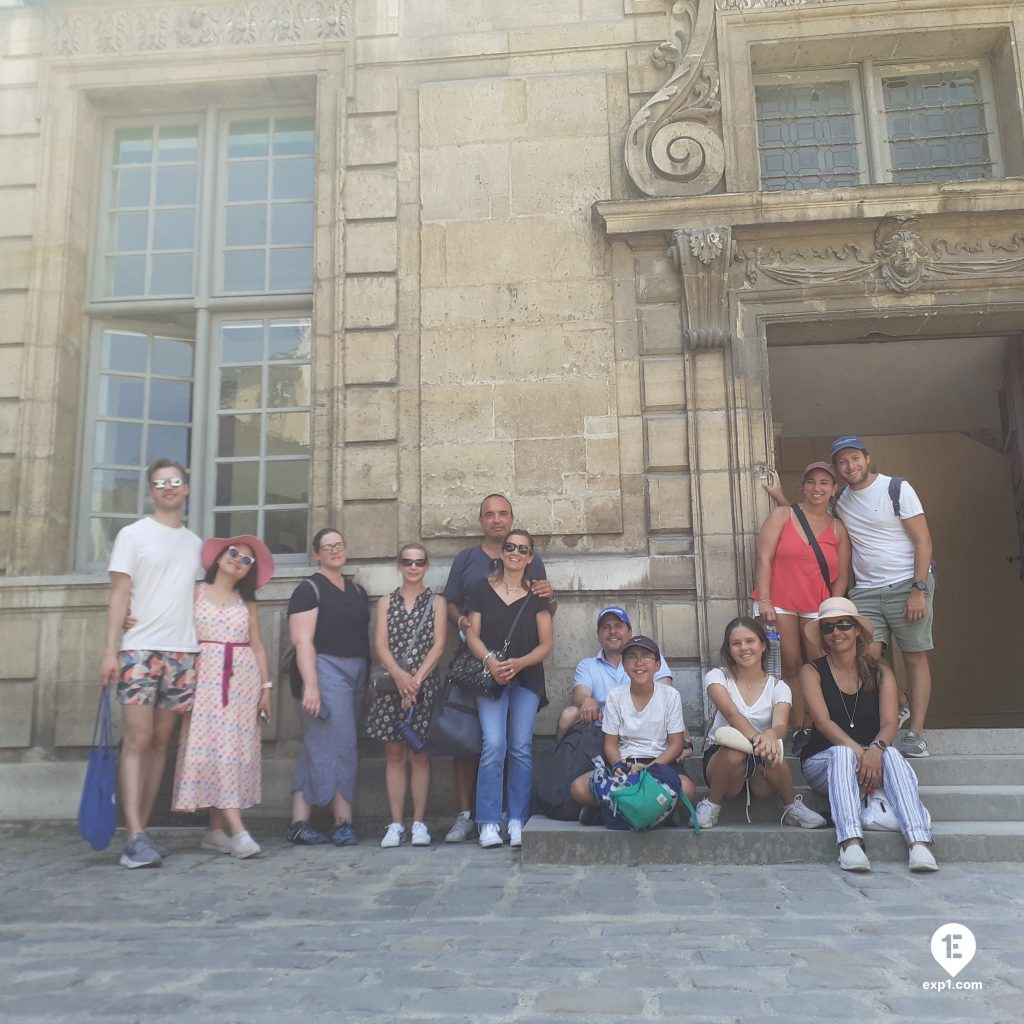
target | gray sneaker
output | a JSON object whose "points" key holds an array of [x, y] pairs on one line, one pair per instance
{"points": [[464, 828], [912, 745], [139, 852]]}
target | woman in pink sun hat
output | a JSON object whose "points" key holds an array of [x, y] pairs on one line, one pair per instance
{"points": [[220, 750]]}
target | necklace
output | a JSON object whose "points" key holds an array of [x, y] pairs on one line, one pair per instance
{"points": [[842, 696], [514, 589]]}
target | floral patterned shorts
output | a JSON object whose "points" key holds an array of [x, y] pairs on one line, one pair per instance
{"points": [[164, 678]]}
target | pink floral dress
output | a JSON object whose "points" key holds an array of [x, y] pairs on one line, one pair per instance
{"points": [[220, 748]]}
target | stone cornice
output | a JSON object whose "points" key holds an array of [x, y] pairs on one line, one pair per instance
{"points": [[160, 28], [764, 209]]}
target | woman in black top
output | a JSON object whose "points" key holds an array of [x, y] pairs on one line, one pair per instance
{"points": [[329, 622], [853, 703], [507, 722]]}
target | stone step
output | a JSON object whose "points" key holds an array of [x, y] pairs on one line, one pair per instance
{"points": [[556, 842]]}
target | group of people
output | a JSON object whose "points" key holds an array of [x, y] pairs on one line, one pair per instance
{"points": [[192, 651]]}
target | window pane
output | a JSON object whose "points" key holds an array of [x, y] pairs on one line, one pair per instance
{"points": [[178, 142], [101, 537], [238, 435], [244, 270], [167, 443], [130, 230], [170, 400], [289, 340], [287, 482], [241, 343], [248, 138], [115, 490], [293, 179], [131, 187], [293, 224], [293, 136], [175, 186], [172, 357], [231, 524], [118, 444], [238, 483], [172, 229], [172, 274], [246, 225], [127, 275], [288, 433], [133, 145], [241, 387], [288, 386], [291, 270], [122, 397], [286, 531], [247, 181], [123, 351]]}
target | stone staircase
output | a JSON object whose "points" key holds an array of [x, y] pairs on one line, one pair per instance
{"points": [[973, 786]]}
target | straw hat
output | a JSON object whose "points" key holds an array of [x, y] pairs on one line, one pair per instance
{"points": [[838, 608]]}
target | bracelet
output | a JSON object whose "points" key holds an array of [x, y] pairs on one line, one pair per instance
{"points": [[268, 685], [462, 618], [489, 654], [764, 600]]}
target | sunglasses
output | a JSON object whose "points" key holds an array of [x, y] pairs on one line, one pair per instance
{"points": [[332, 549], [246, 560], [844, 626], [523, 549], [172, 481], [412, 563]]}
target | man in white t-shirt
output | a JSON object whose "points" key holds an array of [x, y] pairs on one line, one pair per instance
{"points": [[153, 569], [892, 555]]}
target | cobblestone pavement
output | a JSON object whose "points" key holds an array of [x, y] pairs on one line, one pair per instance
{"points": [[462, 934]]}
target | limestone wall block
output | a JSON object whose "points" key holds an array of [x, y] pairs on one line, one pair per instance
{"points": [[631, 444], [457, 476], [13, 314], [663, 384], [371, 301], [371, 529], [668, 503], [8, 483], [568, 516], [376, 90], [15, 263], [711, 428], [16, 721], [543, 466], [677, 629], [601, 10], [8, 424], [20, 165], [371, 414], [371, 246], [454, 415], [433, 264], [11, 358], [463, 182], [709, 388], [19, 640], [719, 614], [661, 328], [371, 471], [370, 193], [657, 279], [558, 350], [371, 357], [17, 210], [720, 566], [672, 572], [487, 110], [603, 513], [18, 110], [377, 17], [715, 502], [559, 175], [19, 71], [447, 356], [567, 106], [666, 443], [571, 36], [541, 409]]}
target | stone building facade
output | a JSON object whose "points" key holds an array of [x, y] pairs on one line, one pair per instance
{"points": [[364, 261]]}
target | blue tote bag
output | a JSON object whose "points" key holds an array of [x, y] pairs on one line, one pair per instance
{"points": [[97, 811]]}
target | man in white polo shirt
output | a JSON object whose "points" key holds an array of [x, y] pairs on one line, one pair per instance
{"points": [[153, 569]]}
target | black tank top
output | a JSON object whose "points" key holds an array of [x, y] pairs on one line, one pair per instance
{"points": [[865, 714]]}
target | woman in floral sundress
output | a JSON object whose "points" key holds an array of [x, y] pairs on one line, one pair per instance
{"points": [[408, 641], [220, 748]]}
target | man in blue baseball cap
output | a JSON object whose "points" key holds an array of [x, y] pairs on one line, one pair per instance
{"points": [[596, 677]]}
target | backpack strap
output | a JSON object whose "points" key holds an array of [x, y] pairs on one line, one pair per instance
{"points": [[895, 485]]}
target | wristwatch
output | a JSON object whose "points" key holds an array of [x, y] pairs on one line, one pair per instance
{"points": [[881, 744], [918, 585]]}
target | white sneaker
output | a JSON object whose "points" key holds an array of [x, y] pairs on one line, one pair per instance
{"points": [[798, 813], [489, 836], [243, 845], [853, 858], [921, 858], [903, 717], [394, 836], [462, 829], [215, 839], [420, 835], [707, 813], [515, 832]]}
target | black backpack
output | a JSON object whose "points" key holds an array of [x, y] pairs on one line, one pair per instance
{"points": [[572, 757]]}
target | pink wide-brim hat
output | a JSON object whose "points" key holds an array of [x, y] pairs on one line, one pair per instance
{"points": [[264, 559]]}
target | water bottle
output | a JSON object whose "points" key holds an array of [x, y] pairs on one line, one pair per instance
{"points": [[774, 650]]}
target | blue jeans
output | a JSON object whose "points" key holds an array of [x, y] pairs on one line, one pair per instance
{"points": [[507, 726]]}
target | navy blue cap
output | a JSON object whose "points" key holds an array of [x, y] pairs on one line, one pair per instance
{"points": [[847, 441], [619, 613]]}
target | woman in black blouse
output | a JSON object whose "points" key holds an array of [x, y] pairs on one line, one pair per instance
{"points": [[507, 722], [329, 622]]}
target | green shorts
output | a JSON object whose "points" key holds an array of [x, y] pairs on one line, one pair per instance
{"points": [[886, 608]]}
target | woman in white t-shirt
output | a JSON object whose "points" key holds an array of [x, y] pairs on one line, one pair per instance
{"points": [[758, 705]]}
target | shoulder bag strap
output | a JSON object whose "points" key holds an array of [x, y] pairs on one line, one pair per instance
{"points": [[815, 546], [515, 622], [427, 612]]}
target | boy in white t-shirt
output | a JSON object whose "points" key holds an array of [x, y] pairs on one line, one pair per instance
{"points": [[153, 569]]}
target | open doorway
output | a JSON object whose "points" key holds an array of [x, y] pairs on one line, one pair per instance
{"points": [[940, 412]]}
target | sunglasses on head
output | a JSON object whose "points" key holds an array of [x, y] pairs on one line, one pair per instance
{"points": [[412, 563], [244, 559], [523, 549], [843, 625], [171, 481]]}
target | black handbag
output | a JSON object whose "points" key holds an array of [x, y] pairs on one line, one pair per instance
{"points": [[469, 673], [454, 729]]}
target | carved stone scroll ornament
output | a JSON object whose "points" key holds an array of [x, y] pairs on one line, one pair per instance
{"points": [[703, 256], [901, 259], [671, 149], [760, 5], [176, 27]]}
